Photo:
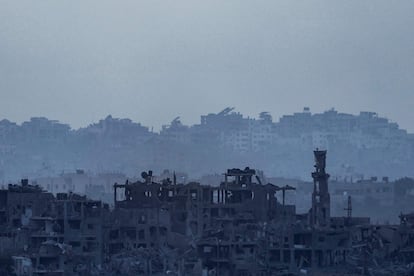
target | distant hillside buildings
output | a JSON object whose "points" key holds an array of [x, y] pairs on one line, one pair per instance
{"points": [[363, 144]]}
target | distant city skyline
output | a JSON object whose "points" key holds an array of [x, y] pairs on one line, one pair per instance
{"points": [[154, 60], [194, 121], [363, 144]]}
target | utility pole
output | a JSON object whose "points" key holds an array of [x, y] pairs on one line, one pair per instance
{"points": [[349, 208]]}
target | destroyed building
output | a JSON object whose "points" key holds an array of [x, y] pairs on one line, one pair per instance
{"points": [[244, 226], [50, 235]]}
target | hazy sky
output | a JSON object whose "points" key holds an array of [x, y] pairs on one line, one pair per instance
{"points": [[78, 61]]}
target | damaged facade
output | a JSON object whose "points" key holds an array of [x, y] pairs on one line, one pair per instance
{"points": [[241, 227], [50, 235]]}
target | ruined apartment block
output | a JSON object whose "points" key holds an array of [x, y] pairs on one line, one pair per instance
{"points": [[241, 227]]}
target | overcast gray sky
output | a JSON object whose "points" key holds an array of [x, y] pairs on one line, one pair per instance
{"points": [[78, 61]]}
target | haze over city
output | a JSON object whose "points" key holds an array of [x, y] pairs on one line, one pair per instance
{"points": [[154, 60], [213, 138]]}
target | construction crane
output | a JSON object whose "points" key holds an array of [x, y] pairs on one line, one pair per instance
{"points": [[225, 111]]}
